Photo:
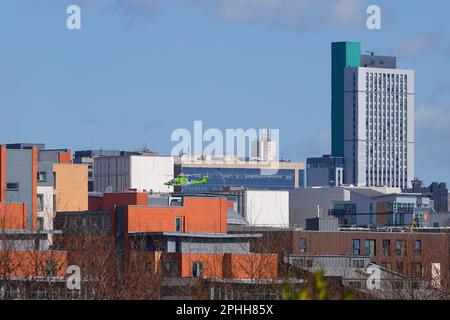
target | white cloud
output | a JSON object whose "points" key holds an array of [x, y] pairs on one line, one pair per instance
{"points": [[305, 14], [301, 14], [418, 44], [349, 12], [432, 135], [263, 10], [433, 122]]}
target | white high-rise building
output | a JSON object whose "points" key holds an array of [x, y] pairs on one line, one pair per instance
{"points": [[264, 148], [379, 124]]}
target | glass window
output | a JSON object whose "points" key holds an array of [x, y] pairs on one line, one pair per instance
{"points": [[400, 248], [40, 202], [178, 224], [356, 246], [40, 223], [219, 178], [50, 268], [12, 187], [417, 270], [355, 284], [302, 245], [42, 176], [418, 247], [54, 180], [358, 263], [370, 247], [197, 269], [386, 247], [54, 204]]}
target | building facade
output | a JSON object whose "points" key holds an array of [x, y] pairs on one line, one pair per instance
{"points": [[419, 255], [45, 192], [141, 172], [223, 172], [360, 207], [257, 207], [87, 157], [18, 176], [44, 180], [325, 171], [343, 55], [186, 236], [379, 127], [24, 241], [70, 187], [372, 117], [264, 148], [437, 192]]}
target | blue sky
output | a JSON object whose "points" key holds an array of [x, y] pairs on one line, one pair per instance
{"points": [[139, 69]]}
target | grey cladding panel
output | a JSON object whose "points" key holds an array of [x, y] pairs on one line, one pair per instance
{"points": [[19, 170]]}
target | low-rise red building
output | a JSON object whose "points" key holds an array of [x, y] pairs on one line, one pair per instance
{"points": [[24, 249], [187, 236]]}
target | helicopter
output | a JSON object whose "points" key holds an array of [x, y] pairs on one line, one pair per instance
{"points": [[182, 181]]}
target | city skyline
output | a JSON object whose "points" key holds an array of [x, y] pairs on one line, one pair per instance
{"points": [[106, 86]]}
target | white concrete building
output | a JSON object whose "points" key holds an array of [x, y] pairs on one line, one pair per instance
{"points": [[266, 208], [264, 148], [379, 126], [45, 209], [358, 206], [145, 173]]}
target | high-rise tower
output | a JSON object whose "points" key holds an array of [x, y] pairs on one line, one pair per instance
{"points": [[372, 117], [343, 55]]}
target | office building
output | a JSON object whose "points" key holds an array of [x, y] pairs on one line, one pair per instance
{"points": [[24, 242], [228, 171], [18, 175], [87, 157], [258, 207], [264, 148], [419, 257], [141, 172], [360, 206], [343, 55], [372, 117], [187, 236], [437, 192], [325, 171], [45, 180]]}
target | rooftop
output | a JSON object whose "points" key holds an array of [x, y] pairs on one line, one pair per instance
{"points": [[199, 235]]}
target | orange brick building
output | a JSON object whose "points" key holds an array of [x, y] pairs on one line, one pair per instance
{"points": [[187, 235], [70, 187], [24, 249]]}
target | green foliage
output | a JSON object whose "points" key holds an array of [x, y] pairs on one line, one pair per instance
{"points": [[319, 290]]}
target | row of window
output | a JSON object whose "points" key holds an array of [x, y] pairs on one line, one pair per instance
{"points": [[370, 247]]}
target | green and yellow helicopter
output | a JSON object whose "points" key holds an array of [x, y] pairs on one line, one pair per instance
{"points": [[182, 181]]}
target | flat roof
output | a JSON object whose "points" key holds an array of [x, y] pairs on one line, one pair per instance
{"points": [[199, 235]]}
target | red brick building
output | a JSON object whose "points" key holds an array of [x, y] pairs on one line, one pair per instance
{"points": [[186, 236]]}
